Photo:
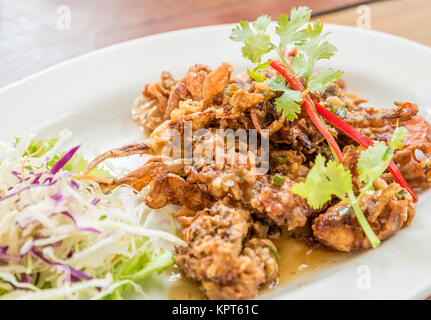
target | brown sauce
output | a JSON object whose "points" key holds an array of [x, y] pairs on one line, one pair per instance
{"points": [[296, 261], [182, 288]]}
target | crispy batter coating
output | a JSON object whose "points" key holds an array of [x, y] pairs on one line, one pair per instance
{"points": [[149, 109], [221, 258], [281, 205], [387, 211]]}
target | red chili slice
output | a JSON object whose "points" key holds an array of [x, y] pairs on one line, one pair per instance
{"points": [[295, 84], [364, 141], [360, 138]]}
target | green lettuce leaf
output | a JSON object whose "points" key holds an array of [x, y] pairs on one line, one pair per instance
{"points": [[138, 268], [76, 164]]}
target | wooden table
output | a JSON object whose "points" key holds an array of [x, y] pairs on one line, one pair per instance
{"points": [[35, 34], [39, 33]]}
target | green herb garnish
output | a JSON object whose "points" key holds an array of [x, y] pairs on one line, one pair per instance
{"points": [[295, 31], [274, 252], [280, 160], [258, 76], [324, 181], [277, 180], [340, 112]]}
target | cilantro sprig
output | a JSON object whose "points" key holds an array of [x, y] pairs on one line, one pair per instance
{"points": [[288, 102], [325, 180], [293, 30]]}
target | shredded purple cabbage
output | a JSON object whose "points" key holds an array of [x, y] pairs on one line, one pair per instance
{"points": [[74, 184], [47, 180], [36, 179], [95, 201], [62, 162], [72, 275], [26, 188], [5, 256], [17, 175], [68, 214], [57, 196]]}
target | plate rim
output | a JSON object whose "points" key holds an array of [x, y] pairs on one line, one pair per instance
{"points": [[161, 35]]}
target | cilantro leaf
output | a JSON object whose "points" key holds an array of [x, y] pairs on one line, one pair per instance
{"points": [[292, 29], [400, 133], [375, 159], [299, 65], [287, 102], [320, 81], [256, 42], [324, 181], [287, 106], [314, 48], [255, 75], [256, 46], [262, 23], [277, 83], [373, 162], [288, 28], [325, 50], [241, 32]]}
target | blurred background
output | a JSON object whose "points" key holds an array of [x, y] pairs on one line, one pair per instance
{"points": [[36, 34]]}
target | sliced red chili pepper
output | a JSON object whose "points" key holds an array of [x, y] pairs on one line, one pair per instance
{"points": [[410, 109], [364, 141], [295, 84], [360, 138]]}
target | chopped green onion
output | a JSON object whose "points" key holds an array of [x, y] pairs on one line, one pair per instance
{"points": [[400, 195], [340, 112], [274, 252], [280, 160], [277, 180]]}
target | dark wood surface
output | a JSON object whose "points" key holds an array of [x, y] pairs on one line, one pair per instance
{"points": [[30, 39]]}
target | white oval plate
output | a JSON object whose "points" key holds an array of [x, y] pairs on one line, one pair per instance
{"points": [[91, 95]]}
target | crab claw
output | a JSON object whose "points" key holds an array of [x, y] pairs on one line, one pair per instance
{"points": [[125, 151], [142, 176]]}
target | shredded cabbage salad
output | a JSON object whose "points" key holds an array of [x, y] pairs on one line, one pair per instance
{"points": [[63, 238]]}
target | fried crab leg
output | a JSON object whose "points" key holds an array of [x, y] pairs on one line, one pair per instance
{"points": [[163, 176], [125, 151]]}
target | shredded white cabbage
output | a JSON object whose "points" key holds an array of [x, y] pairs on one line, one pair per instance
{"points": [[62, 238]]}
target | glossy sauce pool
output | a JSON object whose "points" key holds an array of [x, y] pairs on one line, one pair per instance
{"points": [[297, 260]]}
